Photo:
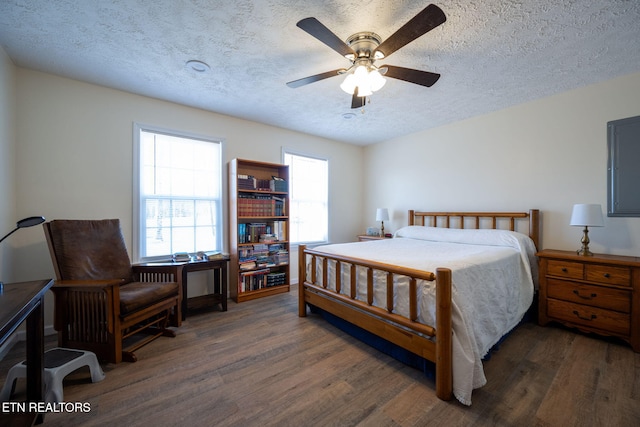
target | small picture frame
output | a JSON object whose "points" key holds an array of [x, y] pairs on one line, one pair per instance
{"points": [[372, 231]]}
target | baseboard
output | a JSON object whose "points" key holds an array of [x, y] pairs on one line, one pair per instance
{"points": [[21, 336]]}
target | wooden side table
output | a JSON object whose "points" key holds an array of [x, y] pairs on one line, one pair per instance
{"points": [[19, 302], [219, 295], [599, 293]]}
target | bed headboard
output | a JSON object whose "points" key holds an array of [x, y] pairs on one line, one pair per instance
{"points": [[477, 220]]}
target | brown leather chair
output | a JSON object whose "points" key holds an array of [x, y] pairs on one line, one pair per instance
{"points": [[101, 300]]}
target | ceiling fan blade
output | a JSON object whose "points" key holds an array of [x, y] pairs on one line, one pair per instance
{"points": [[357, 101], [422, 78], [314, 78], [425, 21], [322, 33]]}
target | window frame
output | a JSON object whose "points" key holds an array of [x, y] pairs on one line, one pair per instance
{"points": [[137, 194], [299, 153]]}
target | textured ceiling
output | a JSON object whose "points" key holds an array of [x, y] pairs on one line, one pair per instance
{"points": [[492, 54]]}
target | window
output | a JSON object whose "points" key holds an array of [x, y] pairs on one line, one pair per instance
{"points": [[309, 195], [178, 188]]}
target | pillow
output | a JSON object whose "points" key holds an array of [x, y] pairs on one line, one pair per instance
{"points": [[488, 237]]}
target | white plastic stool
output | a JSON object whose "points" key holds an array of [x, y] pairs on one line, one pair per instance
{"points": [[58, 363]]}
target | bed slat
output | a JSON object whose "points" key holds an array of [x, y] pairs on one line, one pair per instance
{"points": [[325, 273], [413, 300], [370, 286], [390, 292], [353, 281]]}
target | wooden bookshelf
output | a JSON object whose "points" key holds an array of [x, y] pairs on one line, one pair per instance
{"points": [[259, 229]]}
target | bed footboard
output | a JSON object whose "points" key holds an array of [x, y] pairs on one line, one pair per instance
{"points": [[432, 342]]}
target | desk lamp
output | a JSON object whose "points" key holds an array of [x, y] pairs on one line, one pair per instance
{"points": [[586, 215], [23, 223], [382, 215]]}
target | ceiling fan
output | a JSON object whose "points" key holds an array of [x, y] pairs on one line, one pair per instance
{"points": [[364, 48]]}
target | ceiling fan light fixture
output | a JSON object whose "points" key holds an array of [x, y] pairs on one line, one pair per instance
{"points": [[349, 84], [376, 80], [364, 90], [367, 81], [360, 73]]}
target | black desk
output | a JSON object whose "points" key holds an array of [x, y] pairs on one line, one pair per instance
{"points": [[19, 302], [219, 295]]}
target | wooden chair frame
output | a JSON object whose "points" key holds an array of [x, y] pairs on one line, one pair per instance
{"points": [[87, 312]]}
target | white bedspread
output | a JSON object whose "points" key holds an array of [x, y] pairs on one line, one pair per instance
{"points": [[493, 273]]}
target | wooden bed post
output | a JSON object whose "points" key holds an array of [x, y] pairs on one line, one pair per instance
{"points": [[534, 227], [444, 332], [302, 277]]}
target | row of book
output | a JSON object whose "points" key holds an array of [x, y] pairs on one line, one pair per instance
{"points": [[249, 182], [262, 256], [260, 279], [260, 205], [262, 232]]}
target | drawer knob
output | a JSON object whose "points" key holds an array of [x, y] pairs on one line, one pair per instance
{"points": [[590, 296], [607, 275], [564, 269], [593, 316]]}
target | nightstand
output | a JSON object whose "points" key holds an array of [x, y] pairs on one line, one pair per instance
{"points": [[364, 238], [599, 293]]}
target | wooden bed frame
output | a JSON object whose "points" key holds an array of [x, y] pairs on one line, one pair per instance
{"points": [[432, 342]]}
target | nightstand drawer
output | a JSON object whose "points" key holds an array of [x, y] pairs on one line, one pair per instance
{"points": [[573, 270], [595, 296], [609, 274], [591, 317]]}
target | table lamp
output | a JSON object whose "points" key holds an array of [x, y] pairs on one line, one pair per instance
{"points": [[382, 215], [586, 215], [23, 223]]}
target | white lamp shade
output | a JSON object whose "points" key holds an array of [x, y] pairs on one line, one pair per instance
{"points": [[349, 84], [382, 214], [376, 80], [587, 215]]}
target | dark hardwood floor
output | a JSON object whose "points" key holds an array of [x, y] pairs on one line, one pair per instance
{"points": [[259, 364]]}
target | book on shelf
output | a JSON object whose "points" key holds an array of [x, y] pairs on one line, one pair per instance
{"points": [[253, 280], [278, 184], [246, 182], [247, 265], [252, 232], [260, 205], [262, 255], [276, 279]]}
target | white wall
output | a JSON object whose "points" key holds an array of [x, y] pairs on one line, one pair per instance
{"points": [[73, 152], [547, 154], [8, 209], [74, 158]]}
